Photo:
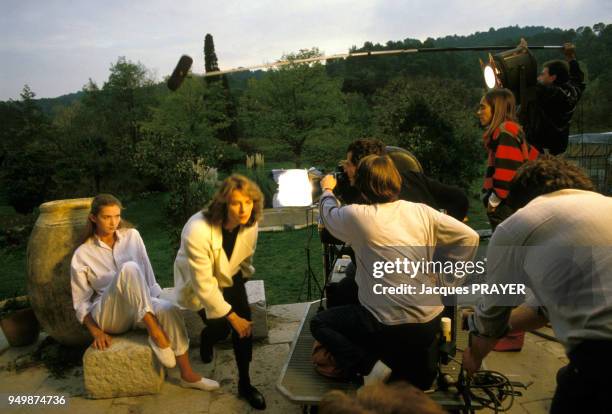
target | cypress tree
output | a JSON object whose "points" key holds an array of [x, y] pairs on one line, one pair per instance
{"points": [[211, 64]]}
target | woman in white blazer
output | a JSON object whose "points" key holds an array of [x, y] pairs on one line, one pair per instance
{"points": [[215, 256]]}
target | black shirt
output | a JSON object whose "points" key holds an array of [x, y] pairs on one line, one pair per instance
{"points": [[229, 240]]}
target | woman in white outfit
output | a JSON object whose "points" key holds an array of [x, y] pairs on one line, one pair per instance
{"points": [[114, 289]]}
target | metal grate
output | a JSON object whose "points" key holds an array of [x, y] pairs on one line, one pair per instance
{"points": [[301, 384]]}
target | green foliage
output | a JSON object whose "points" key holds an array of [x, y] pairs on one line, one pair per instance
{"points": [[210, 57], [13, 304], [221, 96], [131, 135], [178, 149], [434, 119], [28, 153], [297, 109], [264, 180], [185, 202]]}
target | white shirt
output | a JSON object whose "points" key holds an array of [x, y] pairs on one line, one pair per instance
{"points": [[560, 246], [94, 265], [389, 231]]}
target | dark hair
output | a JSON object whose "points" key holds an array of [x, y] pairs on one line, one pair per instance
{"points": [[545, 175], [364, 147], [216, 213], [398, 397], [503, 108], [378, 179], [559, 68], [99, 201]]}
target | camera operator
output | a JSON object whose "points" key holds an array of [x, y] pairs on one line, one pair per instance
{"points": [[416, 186], [387, 331], [558, 244], [560, 86]]}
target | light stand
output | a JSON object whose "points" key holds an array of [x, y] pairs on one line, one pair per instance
{"points": [[310, 279]]}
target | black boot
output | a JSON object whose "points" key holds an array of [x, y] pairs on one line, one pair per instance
{"points": [[206, 348], [254, 397]]}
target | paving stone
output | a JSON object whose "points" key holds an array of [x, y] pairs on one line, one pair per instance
{"points": [[128, 367], [537, 407], [71, 385], [282, 332], [291, 312], [23, 382], [74, 405], [538, 362], [172, 399], [534, 363]]}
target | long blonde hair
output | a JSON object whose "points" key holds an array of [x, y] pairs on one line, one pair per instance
{"points": [[503, 108], [99, 201]]}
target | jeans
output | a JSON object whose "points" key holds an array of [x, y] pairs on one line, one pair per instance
{"points": [[356, 339]]}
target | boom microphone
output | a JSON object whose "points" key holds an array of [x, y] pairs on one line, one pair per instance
{"points": [[180, 72]]}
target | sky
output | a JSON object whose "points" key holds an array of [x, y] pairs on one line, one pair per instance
{"points": [[55, 46]]}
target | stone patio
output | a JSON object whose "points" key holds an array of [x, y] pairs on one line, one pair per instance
{"points": [[538, 362]]}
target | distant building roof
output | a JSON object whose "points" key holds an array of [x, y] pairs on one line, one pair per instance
{"points": [[591, 138]]}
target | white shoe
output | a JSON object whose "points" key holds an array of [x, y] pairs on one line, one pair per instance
{"points": [[380, 373], [203, 384], [165, 355]]}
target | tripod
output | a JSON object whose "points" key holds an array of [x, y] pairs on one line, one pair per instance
{"points": [[310, 279]]}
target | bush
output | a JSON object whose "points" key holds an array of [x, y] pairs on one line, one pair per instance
{"points": [[435, 120], [264, 180], [185, 200]]}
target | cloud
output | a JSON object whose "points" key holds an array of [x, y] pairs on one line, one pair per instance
{"points": [[56, 45]]}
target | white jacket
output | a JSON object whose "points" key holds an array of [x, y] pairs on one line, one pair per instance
{"points": [[202, 269]]}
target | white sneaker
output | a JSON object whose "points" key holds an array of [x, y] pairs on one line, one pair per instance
{"points": [[380, 373], [165, 355], [203, 384]]}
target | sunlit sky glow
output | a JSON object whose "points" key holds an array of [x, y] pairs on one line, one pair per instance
{"points": [[55, 46]]}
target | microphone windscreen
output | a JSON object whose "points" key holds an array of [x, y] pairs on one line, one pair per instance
{"points": [[180, 72]]}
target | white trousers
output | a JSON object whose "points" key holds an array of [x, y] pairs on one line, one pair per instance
{"points": [[126, 301]]}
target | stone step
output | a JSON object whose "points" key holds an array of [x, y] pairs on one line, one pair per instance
{"points": [[127, 368]]}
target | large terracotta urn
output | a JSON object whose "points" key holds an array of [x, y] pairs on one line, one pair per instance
{"points": [[57, 232]]}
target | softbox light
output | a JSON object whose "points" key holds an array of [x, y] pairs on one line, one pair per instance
{"points": [[294, 188]]}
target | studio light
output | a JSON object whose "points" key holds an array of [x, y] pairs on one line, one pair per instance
{"points": [[514, 69], [294, 188], [489, 76]]}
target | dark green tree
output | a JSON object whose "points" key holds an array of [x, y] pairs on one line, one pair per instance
{"points": [[434, 119], [91, 153], [219, 96], [29, 153], [296, 111], [210, 57]]}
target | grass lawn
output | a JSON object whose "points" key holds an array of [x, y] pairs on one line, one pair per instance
{"points": [[280, 258]]}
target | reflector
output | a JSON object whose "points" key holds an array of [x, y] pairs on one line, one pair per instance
{"points": [[294, 189]]}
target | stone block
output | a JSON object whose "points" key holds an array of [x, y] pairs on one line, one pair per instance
{"points": [[256, 295], [127, 368]]}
